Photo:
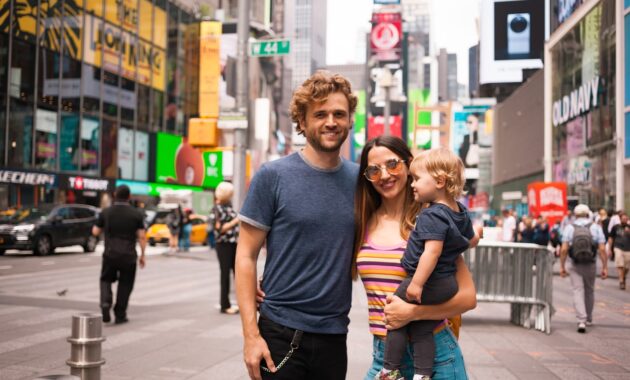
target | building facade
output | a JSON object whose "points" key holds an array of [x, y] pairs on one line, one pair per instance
{"points": [[84, 85], [583, 90]]}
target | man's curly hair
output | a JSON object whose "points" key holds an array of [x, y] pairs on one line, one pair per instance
{"points": [[316, 89]]}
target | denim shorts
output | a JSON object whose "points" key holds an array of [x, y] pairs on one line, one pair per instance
{"points": [[447, 364]]}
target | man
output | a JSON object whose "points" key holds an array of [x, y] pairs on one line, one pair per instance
{"points": [[509, 225], [122, 225], [583, 272], [619, 243], [302, 206]]}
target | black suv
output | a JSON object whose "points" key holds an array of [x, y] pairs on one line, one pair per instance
{"points": [[43, 230]]}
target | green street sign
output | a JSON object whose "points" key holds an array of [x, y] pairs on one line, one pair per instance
{"points": [[269, 48]]}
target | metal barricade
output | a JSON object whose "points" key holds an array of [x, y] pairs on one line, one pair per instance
{"points": [[85, 354], [517, 273]]}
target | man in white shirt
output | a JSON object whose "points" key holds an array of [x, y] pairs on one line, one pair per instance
{"points": [[509, 225]]}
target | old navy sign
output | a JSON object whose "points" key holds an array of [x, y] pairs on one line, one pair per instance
{"points": [[27, 178], [575, 104]]}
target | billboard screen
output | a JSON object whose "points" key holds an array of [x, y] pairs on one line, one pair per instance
{"points": [[179, 163], [512, 39], [469, 135]]}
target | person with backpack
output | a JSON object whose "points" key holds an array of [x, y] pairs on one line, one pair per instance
{"points": [[582, 241]]}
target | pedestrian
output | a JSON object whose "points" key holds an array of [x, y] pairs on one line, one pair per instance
{"points": [[174, 222], [443, 231], [509, 225], [302, 206], [619, 241], [226, 229], [385, 214], [123, 226], [541, 231], [185, 231], [581, 242], [526, 230]]}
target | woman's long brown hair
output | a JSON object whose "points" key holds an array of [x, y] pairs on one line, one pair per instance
{"points": [[367, 200]]}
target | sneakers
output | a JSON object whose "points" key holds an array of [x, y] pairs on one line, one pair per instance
{"points": [[389, 375], [231, 310], [581, 327]]}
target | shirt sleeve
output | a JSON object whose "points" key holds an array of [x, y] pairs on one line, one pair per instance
{"points": [[431, 225], [260, 203], [567, 234], [599, 237], [469, 232]]}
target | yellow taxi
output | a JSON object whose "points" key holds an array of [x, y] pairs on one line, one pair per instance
{"points": [[158, 231]]}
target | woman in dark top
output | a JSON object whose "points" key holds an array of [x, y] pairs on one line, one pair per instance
{"points": [[226, 229]]}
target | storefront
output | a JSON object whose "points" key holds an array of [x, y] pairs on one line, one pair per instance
{"points": [[86, 190], [20, 188], [581, 94]]}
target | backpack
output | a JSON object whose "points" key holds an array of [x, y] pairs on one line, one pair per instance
{"points": [[582, 251]]}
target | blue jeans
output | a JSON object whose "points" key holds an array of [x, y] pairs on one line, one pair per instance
{"points": [[184, 242], [447, 364]]}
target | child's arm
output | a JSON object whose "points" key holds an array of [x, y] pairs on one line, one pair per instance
{"points": [[474, 241], [426, 265]]}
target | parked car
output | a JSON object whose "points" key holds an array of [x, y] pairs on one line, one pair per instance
{"points": [[42, 230], [158, 231]]}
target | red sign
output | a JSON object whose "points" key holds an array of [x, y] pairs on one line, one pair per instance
{"points": [[479, 202], [386, 35], [376, 126], [548, 199]]}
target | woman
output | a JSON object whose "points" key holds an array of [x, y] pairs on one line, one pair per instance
{"points": [[385, 213], [226, 229], [184, 241], [174, 222]]}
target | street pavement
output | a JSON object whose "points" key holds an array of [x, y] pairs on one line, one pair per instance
{"points": [[176, 330]]}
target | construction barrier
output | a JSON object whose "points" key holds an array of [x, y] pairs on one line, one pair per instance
{"points": [[516, 273]]}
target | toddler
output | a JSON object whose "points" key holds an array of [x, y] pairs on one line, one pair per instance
{"points": [[443, 231]]}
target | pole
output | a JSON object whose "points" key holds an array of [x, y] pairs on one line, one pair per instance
{"points": [[387, 111], [242, 102]]}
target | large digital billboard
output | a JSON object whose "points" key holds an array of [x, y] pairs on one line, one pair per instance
{"points": [[512, 38], [179, 163], [470, 136]]}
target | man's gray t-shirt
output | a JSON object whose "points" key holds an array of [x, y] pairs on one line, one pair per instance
{"points": [[308, 213]]}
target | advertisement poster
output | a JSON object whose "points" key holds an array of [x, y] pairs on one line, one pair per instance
{"points": [[386, 36], [141, 156], [125, 153], [209, 68], [180, 163], [89, 144], [469, 134]]}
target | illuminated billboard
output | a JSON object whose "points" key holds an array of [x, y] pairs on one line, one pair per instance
{"points": [[512, 39]]}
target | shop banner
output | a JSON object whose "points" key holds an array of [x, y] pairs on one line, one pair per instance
{"points": [[22, 177], [209, 68], [386, 36], [548, 199], [75, 182]]}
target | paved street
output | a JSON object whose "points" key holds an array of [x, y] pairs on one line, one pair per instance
{"points": [[176, 330]]}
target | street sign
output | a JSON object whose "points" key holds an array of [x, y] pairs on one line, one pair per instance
{"points": [[269, 48], [232, 120]]}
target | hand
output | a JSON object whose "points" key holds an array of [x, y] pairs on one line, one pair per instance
{"points": [[260, 295], [141, 261], [254, 350], [479, 231], [604, 273], [563, 272], [398, 313], [414, 292]]}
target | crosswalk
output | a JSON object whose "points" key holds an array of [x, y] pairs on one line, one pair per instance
{"points": [[163, 281]]}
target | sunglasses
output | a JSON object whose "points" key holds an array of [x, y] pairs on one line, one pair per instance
{"points": [[373, 172]]}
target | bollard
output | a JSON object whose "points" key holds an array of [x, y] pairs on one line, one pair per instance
{"points": [[85, 353]]}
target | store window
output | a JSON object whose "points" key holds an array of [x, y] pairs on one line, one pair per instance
{"points": [[4, 69], [158, 111], [46, 139], [583, 107], [109, 153], [110, 94], [69, 152], [21, 93], [128, 101], [91, 89], [89, 144], [144, 104]]}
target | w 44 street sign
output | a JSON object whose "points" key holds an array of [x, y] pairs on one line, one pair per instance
{"points": [[269, 48]]}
